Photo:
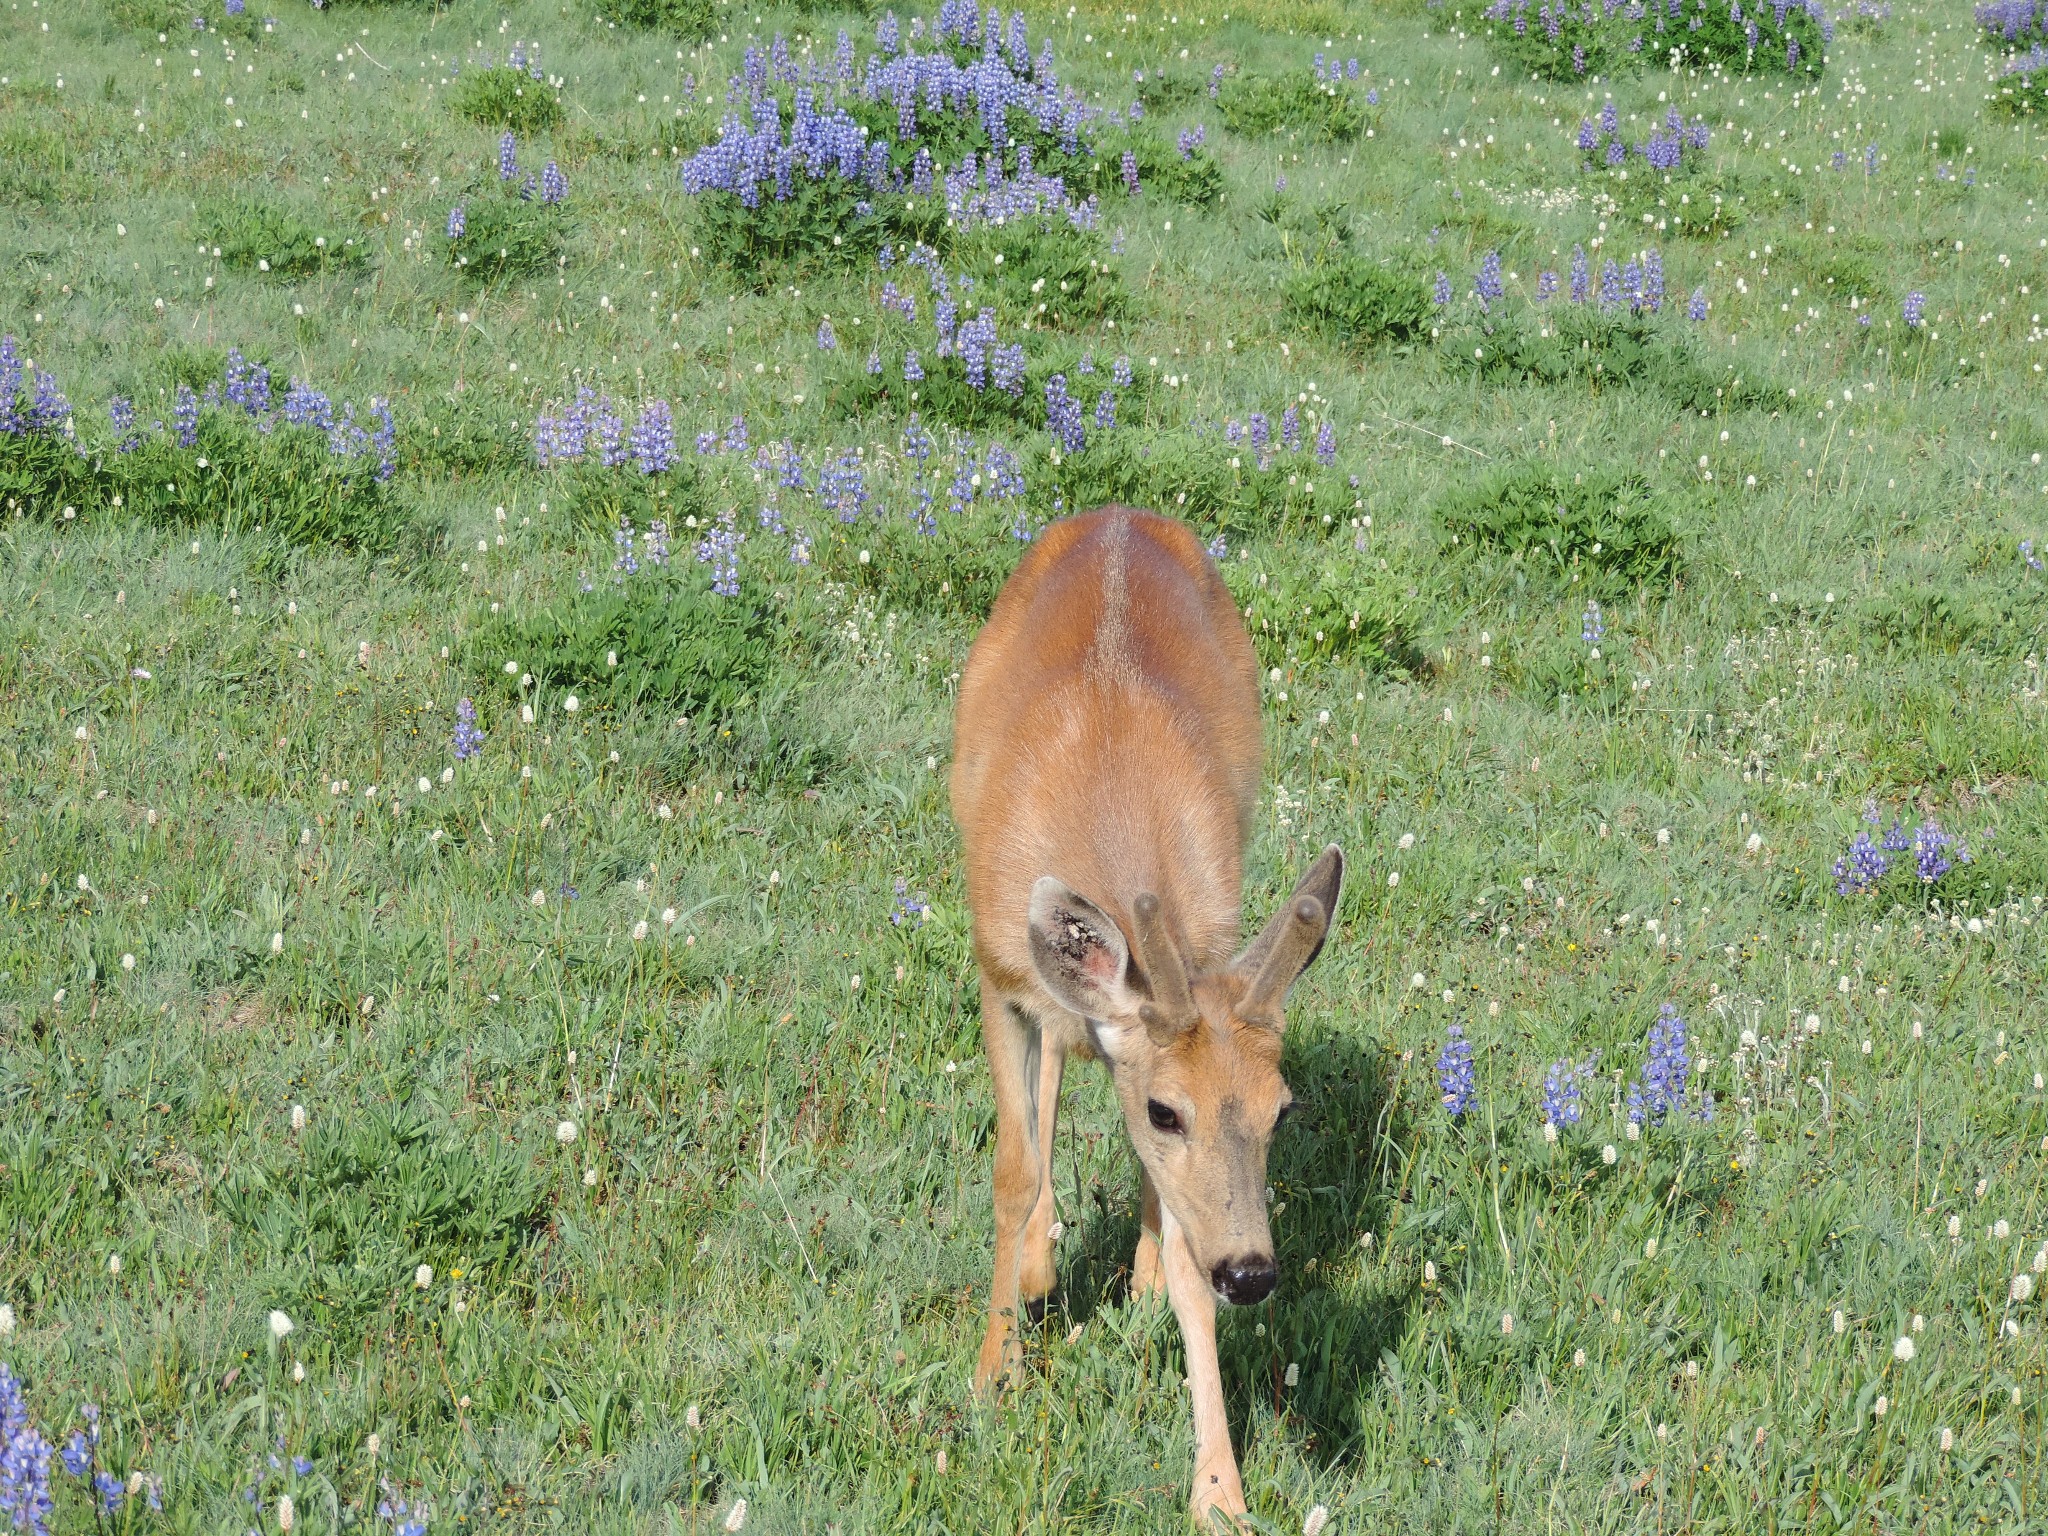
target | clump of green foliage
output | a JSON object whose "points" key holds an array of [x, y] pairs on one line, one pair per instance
{"points": [[1560, 43], [505, 235], [1295, 103], [503, 96], [470, 434], [819, 224], [282, 489], [1042, 271], [1602, 528], [253, 233], [2021, 91], [679, 18], [1604, 349], [1359, 301], [1194, 475], [1328, 604], [659, 636]]}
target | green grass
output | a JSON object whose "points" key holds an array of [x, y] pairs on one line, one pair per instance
{"points": [[703, 1220]]}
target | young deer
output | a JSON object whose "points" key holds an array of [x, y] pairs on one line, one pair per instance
{"points": [[1106, 769]]}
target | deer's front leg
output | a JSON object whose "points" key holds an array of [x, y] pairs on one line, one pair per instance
{"points": [[1012, 1043], [1217, 1488], [1036, 1272], [1148, 1276]]}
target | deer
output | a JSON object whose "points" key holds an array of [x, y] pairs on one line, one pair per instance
{"points": [[1106, 771]]}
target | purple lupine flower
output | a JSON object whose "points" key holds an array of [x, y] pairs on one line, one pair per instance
{"points": [[656, 548], [1610, 119], [1589, 136], [1660, 1090], [1488, 284], [1696, 308], [1454, 1072], [1841, 160], [1931, 852], [1190, 140], [469, 740], [1261, 432], [1105, 410], [918, 444], [1063, 415], [842, 486], [1006, 369], [1217, 547], [1441, 290], [913, 370], [1870, 159], [1611, 288], [2027, 554], [1592, 627], [1546, 286], [1859, 870], [236, 7], [827, 342], [1130, 169], [1582, 275], [1653, 281], [736, 435], [1915, 308], [554, 186], [185, 416], [653, 440], [909, 909], [1563, 1090], [1290, 428], [121, 415], [1617, 152], [508, 156], [1120, 371], [720, 549], [874, 364], [458, 221], [25, 1500], [1215, 81], [1326, 443]]}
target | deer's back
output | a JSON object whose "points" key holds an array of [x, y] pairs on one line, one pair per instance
{"points": [[1108, 733]]}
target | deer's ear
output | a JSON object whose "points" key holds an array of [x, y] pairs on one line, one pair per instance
{"points": [[1080, 954], [1291, 941]]}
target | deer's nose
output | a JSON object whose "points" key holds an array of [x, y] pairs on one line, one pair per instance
{"points": [[1243, 1281]]}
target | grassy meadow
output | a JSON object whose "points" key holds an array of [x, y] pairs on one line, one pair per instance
{"points": [[488, 1038]]}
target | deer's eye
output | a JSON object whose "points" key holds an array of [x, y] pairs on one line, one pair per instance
{"points": [[1162, 1118]]}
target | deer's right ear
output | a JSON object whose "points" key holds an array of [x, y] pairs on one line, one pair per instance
{"points": [[1080, 954]]}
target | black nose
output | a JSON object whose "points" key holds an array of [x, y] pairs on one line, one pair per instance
{"points": [[1246, 1280]]}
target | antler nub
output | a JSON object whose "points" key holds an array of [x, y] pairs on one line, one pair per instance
{"points": [[1172, 1008]]}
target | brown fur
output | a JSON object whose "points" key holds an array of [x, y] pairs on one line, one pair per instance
{"points": [[1106, 749]]}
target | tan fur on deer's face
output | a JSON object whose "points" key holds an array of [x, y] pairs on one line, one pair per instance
{"points": [[1201, 1111]]}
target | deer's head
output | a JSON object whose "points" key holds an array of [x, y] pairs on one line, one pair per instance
{"points": [[1195, 1055]]}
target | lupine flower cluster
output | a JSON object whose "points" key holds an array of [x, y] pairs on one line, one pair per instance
{"points": [[1564, 1091], [1914, 308], [909, 909], [2014, 21], [592, 425], [1636, 285], [26, 1501], [1015, 98], [40, 409], [1654, 26], [1454, 1072], [1661, 1089], [245, 391], [1665, 150], [1256, 432], [469, 738], [1333, 71], [1860, 870]]}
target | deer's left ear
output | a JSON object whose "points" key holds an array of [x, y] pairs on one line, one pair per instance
{"points": [[1289, 944], [1080, 954]]}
